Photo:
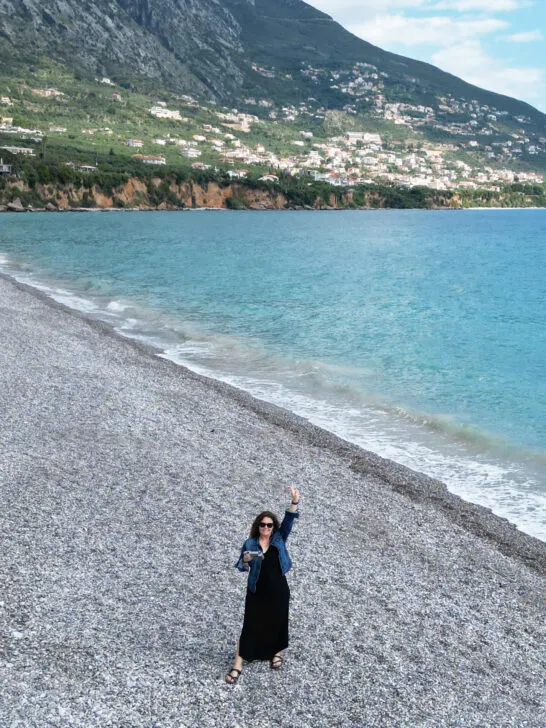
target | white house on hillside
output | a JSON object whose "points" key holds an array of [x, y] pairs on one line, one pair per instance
{"points": [[26, 151], [4, 168], [190, 153], [162, 113], [149, 159]]}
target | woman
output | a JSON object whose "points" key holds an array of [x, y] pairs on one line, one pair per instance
{"points": [[264, 555]]}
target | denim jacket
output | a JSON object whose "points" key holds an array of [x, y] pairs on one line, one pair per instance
{"points": [[278, 539]]}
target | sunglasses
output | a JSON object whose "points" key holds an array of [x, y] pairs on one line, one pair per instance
{"points": [[263, 524]]}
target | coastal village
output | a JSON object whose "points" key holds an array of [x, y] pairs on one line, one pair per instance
{"points": [[478, 149]]}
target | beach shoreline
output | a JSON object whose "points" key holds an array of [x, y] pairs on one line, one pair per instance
{"points": [[116, 463], [296, 208], [418, 486]]}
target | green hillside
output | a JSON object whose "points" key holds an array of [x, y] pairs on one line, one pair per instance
{"points": [[268, 86]]}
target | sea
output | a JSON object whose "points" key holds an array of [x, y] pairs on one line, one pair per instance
{"points": [[418, 335]]}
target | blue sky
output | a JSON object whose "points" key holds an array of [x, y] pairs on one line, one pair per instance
{"points": [[499, 45]]}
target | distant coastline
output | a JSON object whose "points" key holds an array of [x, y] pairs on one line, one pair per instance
{"points": [[109, 192], [287, 209]]}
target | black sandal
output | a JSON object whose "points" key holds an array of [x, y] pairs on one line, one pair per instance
{"points": [[233, 678], [276, 662]]}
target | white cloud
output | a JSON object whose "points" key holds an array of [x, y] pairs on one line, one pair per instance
{"points": [[338, 7], [357, 9], [385, 30], [489, 6], [352, 11], [468, 60], [525, 37]]}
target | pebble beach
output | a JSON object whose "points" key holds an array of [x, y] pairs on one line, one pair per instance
{"points": [[128, 484]]}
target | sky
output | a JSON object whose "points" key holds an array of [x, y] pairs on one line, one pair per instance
{"points": [[499, 45]]}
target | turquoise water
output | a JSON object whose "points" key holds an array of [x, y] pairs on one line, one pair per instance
{"points": [[419, 335]]}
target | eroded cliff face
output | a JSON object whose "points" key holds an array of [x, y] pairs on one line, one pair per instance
{"points": [[136, 194], [155, 194], [215, 196]]}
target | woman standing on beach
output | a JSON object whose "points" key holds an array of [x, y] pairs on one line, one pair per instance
{"points": [[264, 555]]}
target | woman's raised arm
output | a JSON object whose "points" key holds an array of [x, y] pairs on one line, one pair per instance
{"points": [[291, 514]]}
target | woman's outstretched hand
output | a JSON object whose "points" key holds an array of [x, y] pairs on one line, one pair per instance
{"points": [[294, 497]]}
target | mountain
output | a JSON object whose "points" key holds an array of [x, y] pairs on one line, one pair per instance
{"points": [[228, 50], [180, 44], [301, 93]]}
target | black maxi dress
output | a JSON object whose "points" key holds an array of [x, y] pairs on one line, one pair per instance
{"points": [[265, 626]]}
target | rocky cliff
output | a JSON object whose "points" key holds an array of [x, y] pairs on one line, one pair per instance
{"points": [[162, 194], [140, 194], [185, 44]]}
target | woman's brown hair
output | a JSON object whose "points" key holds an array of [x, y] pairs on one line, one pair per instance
{"points": [[255, 529]]}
